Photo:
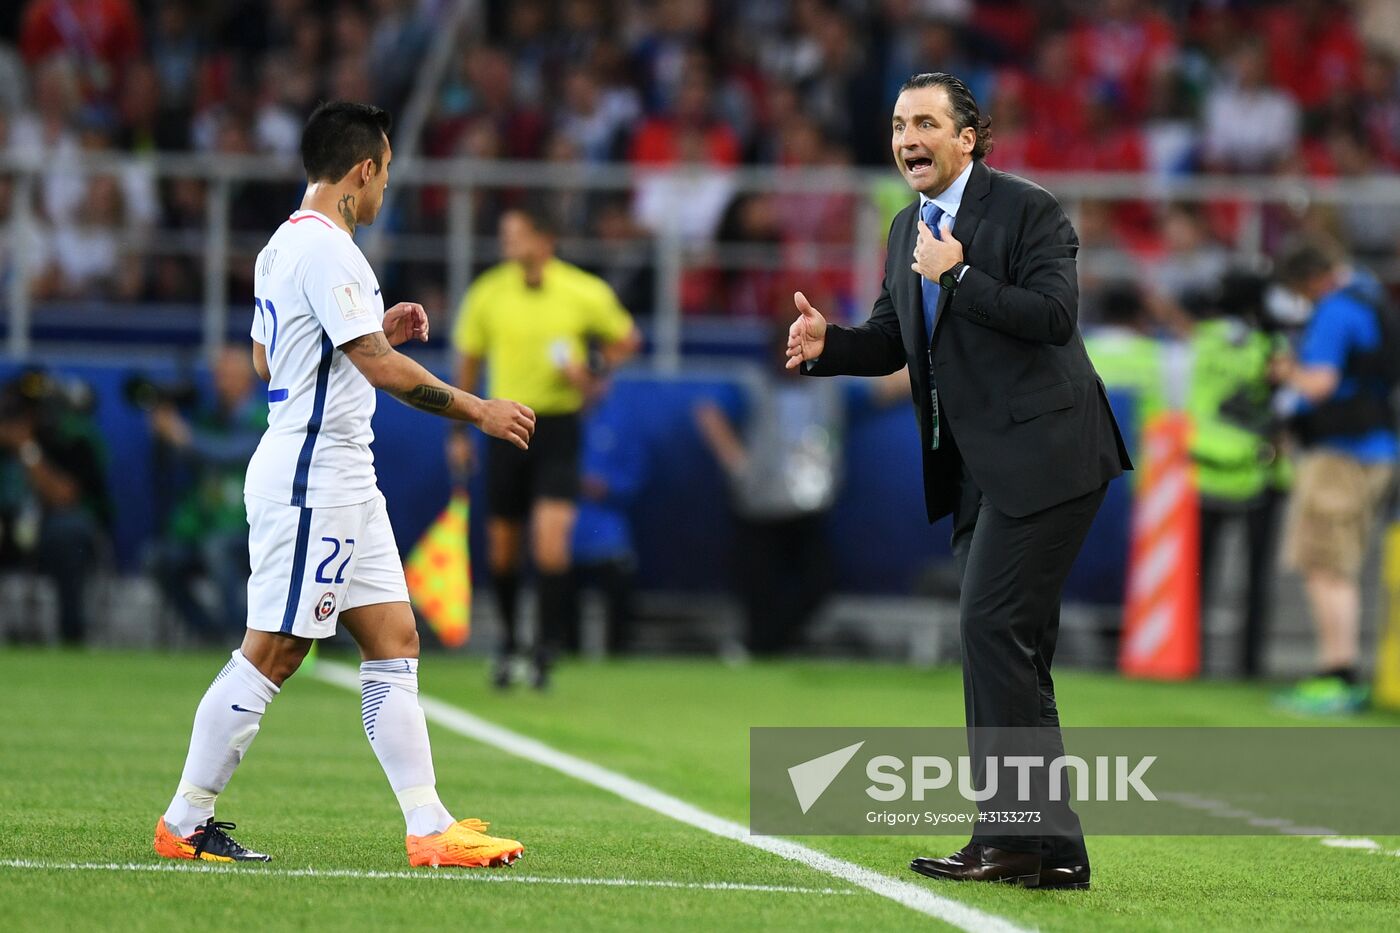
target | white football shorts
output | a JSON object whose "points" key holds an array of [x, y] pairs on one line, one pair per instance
{"points": [[310, 565]]}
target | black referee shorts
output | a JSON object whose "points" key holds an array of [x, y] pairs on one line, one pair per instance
{"points": [[515, 478]]}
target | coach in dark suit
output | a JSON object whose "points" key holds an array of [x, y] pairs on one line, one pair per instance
{"points": [[1018, 439]]}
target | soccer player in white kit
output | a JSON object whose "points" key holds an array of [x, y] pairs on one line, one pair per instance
{"points": [[321, 545]]}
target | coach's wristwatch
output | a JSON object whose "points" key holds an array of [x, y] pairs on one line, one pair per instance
{"points": [[953, 276]]}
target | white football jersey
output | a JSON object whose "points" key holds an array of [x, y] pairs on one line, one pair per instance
{"points": [[314, 291]]}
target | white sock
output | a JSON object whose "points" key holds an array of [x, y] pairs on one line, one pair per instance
{"points": [[224, 726], [398, 733]]}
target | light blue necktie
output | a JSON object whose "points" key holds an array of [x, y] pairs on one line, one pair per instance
{"points": [[933, 216]]}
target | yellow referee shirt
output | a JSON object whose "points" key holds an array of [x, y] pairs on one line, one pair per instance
{"points": [[527, 335]]}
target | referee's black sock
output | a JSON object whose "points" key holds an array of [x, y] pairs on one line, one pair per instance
{"points": [[556, 598], [506, 587]]}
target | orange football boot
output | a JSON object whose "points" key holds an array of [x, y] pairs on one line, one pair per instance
{"points": [[210, 843], [463, 844]]}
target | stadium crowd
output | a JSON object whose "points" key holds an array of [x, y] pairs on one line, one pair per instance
{"points": [[1168, 87]]}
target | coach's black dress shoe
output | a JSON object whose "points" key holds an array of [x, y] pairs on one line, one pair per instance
{"points": [[976, 862], [1065, 877]]}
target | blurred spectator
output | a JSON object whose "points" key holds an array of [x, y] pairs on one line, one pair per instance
{"points": [[1378, 107], [628, 262], [687, 203], [784, 471], [146, 124], [935, 45], [102, 36], [205, 453], [1343, 379], [668, 33], [1314, 52], [1372, 225], [400, 38], [483, 92], [283, 95], [1104, 256], [90, 254], [14, 89], [1055, 94], [1249, 125], [1170, 137], [175, 51], [48, 437], [46, 136], [594, 118], [1240, 474], [33, 241], [1122, 48], [1379, 23], [751, 220], [688, 131], [1193, 263]]}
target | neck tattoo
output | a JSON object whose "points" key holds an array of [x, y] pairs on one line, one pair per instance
{"points": [[347, 211]]}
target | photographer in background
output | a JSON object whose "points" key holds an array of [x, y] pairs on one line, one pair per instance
{"points": [[1342, 383], [1240, 473], [206, 453], [61, 509]]}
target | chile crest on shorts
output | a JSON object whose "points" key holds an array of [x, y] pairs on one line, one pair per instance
{"points": [[325, 606]]}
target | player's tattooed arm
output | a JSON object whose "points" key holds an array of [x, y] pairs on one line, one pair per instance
{"points": [[369, 347], [347, 211], [369, 353], [426, 397], [407, 380]]}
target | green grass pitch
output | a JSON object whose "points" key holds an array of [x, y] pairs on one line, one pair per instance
{"points": [[92, 745]]}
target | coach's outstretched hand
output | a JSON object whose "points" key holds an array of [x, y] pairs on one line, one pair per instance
{"points": [[807, 335], [507, 420]]}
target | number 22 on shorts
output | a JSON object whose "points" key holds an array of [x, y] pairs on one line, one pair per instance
{"points": [[321, 576]]}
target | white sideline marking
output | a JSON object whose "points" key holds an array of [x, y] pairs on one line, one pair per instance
{"points": [[915, 897], [1369, 844], [425, 875]]}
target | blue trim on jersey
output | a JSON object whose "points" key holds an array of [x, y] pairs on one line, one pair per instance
{"points": [[313, 424], [289, 616], [276, 395], [272, 347]]}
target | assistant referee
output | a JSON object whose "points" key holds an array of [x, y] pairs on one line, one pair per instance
{"points": [[531, 321]]}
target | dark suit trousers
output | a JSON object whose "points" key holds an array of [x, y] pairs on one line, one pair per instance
{"points": [[1012, 571]]}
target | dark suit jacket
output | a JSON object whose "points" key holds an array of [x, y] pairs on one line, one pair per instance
{"points": [[1015, 387]]}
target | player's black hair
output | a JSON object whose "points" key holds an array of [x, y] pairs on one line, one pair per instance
{"points": [[964, 106], [340, 135]]}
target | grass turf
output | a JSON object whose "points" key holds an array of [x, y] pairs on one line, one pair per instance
{"points": [[94, 743]]}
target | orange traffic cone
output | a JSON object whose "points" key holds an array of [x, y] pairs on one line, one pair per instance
{"points": [[1161, 621]]}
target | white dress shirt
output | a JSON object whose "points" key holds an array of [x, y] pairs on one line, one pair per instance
{"points": [[948, 201]]}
